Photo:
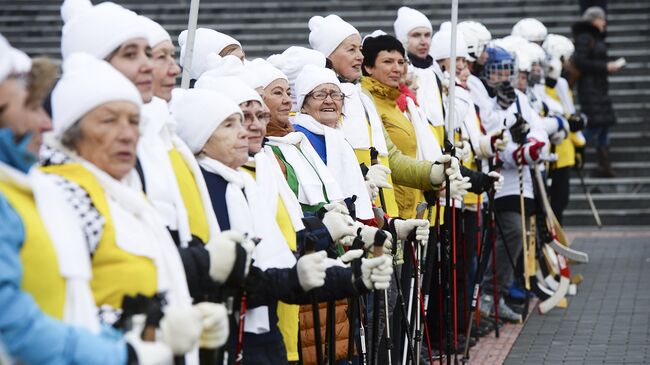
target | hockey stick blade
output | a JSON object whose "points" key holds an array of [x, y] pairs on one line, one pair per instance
{"points": [[565, 280], [575, 255]]}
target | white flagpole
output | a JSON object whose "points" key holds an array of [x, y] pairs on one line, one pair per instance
{"points": [[189, 45]]}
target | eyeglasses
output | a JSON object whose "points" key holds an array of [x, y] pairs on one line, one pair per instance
{"points": [[322, 95]]}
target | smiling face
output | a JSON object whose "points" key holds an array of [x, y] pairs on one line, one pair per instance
{"points": [[277, 98], [419, 42], [133, 60], [165, 70], [108, 136], [324, 104], [347, 58], [228, 143], [388, 68], [256, 117]]}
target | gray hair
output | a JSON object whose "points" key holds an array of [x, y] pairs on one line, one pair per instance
{"points": [[593, 13], [72, 135]]}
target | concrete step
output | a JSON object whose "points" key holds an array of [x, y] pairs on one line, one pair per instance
{"points": [[624, 169], [609, 201], [618, 185], [609, 217]]}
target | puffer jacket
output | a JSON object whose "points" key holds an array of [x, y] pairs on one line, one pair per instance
{"points": [[307, 339], [409, 175], [590, 58]]}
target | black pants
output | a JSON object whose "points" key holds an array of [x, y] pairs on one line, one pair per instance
{"points": [[559, 190]]}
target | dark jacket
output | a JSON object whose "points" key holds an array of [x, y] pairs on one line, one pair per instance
{"points": [[590, 58]]}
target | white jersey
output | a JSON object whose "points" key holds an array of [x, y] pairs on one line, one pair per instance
{"points": [[492, 115]]}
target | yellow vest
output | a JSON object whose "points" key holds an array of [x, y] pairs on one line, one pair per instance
{"points": [[566, 152], [288, 314], [191, 196], [116, 272], [41, 276]]}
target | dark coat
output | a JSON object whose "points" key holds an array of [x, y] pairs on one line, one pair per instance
{"points": [[590, 58]]}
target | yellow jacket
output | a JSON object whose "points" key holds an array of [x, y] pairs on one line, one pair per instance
{"points": [[409, 175], [566, 151]]}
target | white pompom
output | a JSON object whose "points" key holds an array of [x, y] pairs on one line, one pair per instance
{"points": [[73, 8]]}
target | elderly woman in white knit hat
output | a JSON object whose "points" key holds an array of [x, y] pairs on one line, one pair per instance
{"points": [[96, 113], [45, 298], [212, 124], [361, 122], [208, 41]]}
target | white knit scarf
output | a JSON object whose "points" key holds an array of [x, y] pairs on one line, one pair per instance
{"points": [[343, 163], [358, 112], [311, 172], [428, 147], [250, 213]]}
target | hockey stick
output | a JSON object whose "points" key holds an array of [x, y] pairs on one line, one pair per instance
{"points": [[377, 251], [566, 251]]}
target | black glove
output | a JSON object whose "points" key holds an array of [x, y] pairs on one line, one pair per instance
{"points": [[519, 130], [580, 157], [576, 122], [505, 94]]}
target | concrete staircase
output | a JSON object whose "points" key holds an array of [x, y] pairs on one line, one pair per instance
{"points": [[267, 27]]}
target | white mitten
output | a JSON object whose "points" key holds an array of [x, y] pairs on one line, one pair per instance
{"points": [[438, 171], [311, 270], [378, 174], [368, 234], [340, 225], [148, 353], [223, 254], [214, 320], [376, 272], [459, 186], [463, 150], [181, 328], [351, 256], [339, 207], [498, 180], [404, 227], [372, 189]]}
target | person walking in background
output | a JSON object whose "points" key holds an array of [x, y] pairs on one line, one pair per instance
{"points": [[590, 59]]}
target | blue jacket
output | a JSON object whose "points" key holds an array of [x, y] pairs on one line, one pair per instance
{"points": [[28, 334]]}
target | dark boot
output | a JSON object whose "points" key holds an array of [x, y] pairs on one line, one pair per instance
{"points": [[604, 165]]}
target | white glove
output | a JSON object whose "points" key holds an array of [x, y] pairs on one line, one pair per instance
{"points": [[148, 353], [350, 256], [500, 141], [373, 190], [223, 254], [459, 186], [463, 150], [498, 180], [438, 171], [368, 237], [404, 227], [376, 272], [378, 174], [311, 270], [340, 225], [339, 207], [181, 328], [214, 320]]}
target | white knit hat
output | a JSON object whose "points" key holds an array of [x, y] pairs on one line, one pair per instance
{"points": [[291, 62], [327, 33], [206, 41], [198, 112], [86, 83], [265, 72], [441, 44], [155, 32], [233, 87], [407, 20], [311, 77], [218, 66], [97, 30], [12, 60]]}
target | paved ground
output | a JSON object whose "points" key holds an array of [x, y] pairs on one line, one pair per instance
{"points": [[608, 322]]}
